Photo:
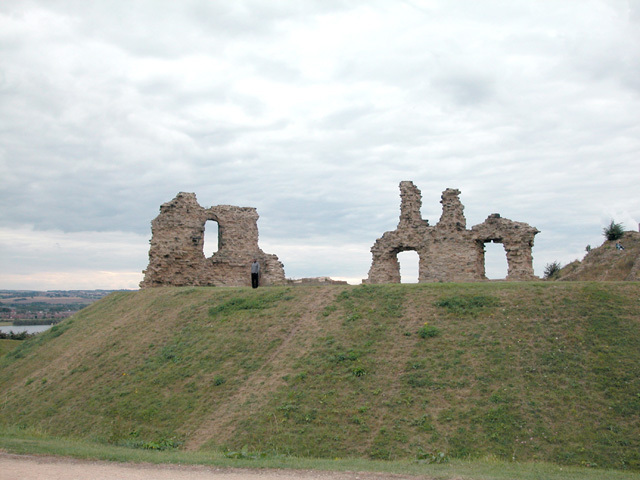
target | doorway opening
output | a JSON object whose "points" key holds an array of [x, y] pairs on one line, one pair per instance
{"points": [[211, 233], [409, 266], [495, 261]]}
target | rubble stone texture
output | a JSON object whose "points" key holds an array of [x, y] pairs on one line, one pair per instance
{"points": [[448, 251], [176, 255]]}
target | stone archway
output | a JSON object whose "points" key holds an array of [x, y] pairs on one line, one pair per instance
{"points": [[409, 262], [517, 240], [211, 239], [448, 251], [494, 260]]}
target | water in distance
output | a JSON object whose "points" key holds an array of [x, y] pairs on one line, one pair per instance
{"points": [[24, 328]]}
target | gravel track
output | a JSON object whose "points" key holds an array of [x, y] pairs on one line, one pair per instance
{"points": [[34, 467]]}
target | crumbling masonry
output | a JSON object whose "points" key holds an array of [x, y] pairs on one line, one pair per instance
{"points": [[176, 255], [448, 252]]}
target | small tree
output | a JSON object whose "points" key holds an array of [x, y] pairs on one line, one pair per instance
{"points": [[552, 269], [614, 231]]}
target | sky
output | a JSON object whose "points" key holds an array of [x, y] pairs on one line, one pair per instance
{"points": [[312, 112]]}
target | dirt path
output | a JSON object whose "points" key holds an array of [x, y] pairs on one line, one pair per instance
{"points": [[29, 467]]}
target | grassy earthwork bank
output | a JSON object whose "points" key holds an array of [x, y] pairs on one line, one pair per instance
{"points": [[7, 345], [429, 375]]}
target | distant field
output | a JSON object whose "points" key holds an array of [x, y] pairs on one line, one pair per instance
{"points": [[47, 300]]}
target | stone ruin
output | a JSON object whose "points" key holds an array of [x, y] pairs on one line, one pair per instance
{"points": [[176, 255], [448, 251]]}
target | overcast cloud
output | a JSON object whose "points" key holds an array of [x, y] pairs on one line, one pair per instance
{"points": [[312, 112]]}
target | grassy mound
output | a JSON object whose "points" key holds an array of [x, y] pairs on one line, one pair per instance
{"points": [[523, 371], [606, 262]]}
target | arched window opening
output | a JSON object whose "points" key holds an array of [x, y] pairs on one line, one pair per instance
{"points": [[211, 231], [495, 261], [409, 266]]}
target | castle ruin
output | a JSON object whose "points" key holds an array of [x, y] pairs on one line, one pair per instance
{"points": [[176, 255], [448, 251]]}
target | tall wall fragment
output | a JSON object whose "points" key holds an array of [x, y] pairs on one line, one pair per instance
{"points": [[448, 251], [176, 255]]}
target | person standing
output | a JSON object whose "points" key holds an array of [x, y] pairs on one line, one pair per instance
{"points": [[255, 273]]}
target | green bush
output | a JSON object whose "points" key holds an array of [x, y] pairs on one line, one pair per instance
{"points": [[236, 304], [162, 443], [15, 336], [552, 269], [467, 304], [614, 231], [428, 331], [432, 457]]}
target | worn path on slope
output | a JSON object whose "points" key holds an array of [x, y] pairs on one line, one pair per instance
{"points": [[261, 382]]}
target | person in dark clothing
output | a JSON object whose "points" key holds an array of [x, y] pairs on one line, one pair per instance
{"points": [[255, 273]]}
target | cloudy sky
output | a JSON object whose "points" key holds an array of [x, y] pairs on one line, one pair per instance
{"points": [[312, 112]]}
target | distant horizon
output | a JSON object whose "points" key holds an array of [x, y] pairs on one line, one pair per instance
{"points": [[66, 290], [408, 264]]}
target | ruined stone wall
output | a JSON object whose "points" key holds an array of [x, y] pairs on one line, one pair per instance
{"points": [[517, 238], [176, 254], [448, 251]]}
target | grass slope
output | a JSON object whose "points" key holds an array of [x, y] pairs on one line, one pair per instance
{"points": [[606, 263], [520, 371], [6, 345]]}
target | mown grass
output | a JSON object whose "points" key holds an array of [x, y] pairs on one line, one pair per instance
{"points": [[490, 468], [518, 372]]}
